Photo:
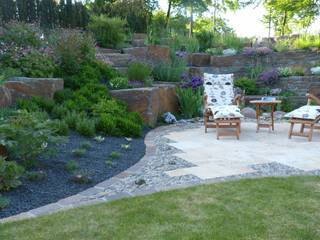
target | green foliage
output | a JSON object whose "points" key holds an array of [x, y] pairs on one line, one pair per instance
{"points": [[71, 119], [63, 95], [286, 104], [254, 72], [86, 127], [307, 42], [35, 176], [249, 85], [60, 127], [183, 43], [125, 146], [113, 119], [206, 39], [27, 104], [119, 83], [23, 128], [298, 71], [285, 72], [4, 202], [157, 29], [71, 166], [190, 102], [10, 172], [8, 72], [169, 72], [43, 103], [21, 34], [35, 64], [79, 152], [72, 49], [114, 154], [86, 145], [215, 51], [139, 72], [109, 32], [59, 111]]}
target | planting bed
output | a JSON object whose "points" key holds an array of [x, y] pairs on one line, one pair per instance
{"points": [[97, 163]]}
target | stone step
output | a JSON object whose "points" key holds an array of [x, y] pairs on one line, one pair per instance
{"points": [[116, 59], [107, 50], [138, 43], [137, 36]]}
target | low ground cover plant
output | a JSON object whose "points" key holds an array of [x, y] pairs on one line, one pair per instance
{"points": [[247, 84], [10, 174]]}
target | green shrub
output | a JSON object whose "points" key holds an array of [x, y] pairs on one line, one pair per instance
{"points": [[4, 202], [119, 83], [27, 104], [307, 42], [44, 103], [184, 43], [128, 127], [86, 127], [215, 51], [169, 72], [59, 111], [86, 145], [60, 127], [36, 64], [71, 166], [139, 72], [35, 176], [298, 71], [114, 154], [247, 84], [190, 102], [109, 32], [286, 104], [285, 71], [23, 128], [63, 95], [112, 107], [79, 152], [205, 39], [10, 172], [72, 118], [72, 49], [21, 34], [8, 72]]}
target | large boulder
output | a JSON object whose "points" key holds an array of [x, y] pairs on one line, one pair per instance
{"points": [[21, 87], [248, 112], [150, 102]]}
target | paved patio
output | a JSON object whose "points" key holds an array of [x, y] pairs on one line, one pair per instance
{"points": [[225, 157], [183, 155]]}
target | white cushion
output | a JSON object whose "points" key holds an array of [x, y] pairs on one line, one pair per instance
{"points": [[218, 89], [305, 112], [226, 111]]}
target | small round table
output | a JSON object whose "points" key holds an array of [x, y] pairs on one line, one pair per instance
{"points": [[272, 105]]}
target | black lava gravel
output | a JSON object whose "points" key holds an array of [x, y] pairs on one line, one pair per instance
{"points": [[95, 163]]}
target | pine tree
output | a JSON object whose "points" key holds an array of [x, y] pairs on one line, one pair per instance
{"points": [[7, 10]]}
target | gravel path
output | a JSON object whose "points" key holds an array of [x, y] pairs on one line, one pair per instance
{"points": [[148, 175]]}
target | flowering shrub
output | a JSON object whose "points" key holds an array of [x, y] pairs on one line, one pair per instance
{"points": [[195, 82], [269, 77]]}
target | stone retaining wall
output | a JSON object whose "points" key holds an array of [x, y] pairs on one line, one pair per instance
{"points": [[21, 87], [239, 64], [150, 102]]}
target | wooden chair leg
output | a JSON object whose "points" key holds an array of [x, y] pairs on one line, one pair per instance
{"points": [[302, 128], [311, 132], [205, 123], [238, 130], [217, 127], [291, 129]]}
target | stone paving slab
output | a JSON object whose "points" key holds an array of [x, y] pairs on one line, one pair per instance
{"points": [[181, 155]]}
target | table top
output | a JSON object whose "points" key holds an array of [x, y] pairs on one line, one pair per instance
{"points": [[265, 102]]}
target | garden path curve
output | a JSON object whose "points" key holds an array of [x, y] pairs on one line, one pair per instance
{"points": [[182, 155]]}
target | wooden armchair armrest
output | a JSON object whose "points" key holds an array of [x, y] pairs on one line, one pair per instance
{"points": [[237, 100], [312, 97]]}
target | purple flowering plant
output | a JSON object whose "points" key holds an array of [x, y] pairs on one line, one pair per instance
{"points": [[269, 77], [195, 82], [260, 51]]}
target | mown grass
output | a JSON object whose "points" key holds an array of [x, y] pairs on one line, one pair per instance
{"points": [[268, 208]]}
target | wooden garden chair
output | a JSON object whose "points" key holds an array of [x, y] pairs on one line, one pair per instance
{"points": [[307, 116], [221, 105]]}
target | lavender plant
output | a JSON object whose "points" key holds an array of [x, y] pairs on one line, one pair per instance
{"points": [[269, 77]]}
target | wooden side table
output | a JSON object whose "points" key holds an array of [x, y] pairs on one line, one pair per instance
{"points": [[259, 104]]}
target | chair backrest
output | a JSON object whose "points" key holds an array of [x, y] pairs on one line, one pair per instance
{"points": [[219, 89]]}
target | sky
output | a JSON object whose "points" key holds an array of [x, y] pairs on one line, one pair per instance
{"points": [[247, 22]]}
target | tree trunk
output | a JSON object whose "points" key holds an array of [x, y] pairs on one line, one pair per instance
{"points": [[284, 23], [168, 13], [191, 22]]}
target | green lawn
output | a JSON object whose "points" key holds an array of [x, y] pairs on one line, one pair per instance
{"points": [[269, 208]]}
